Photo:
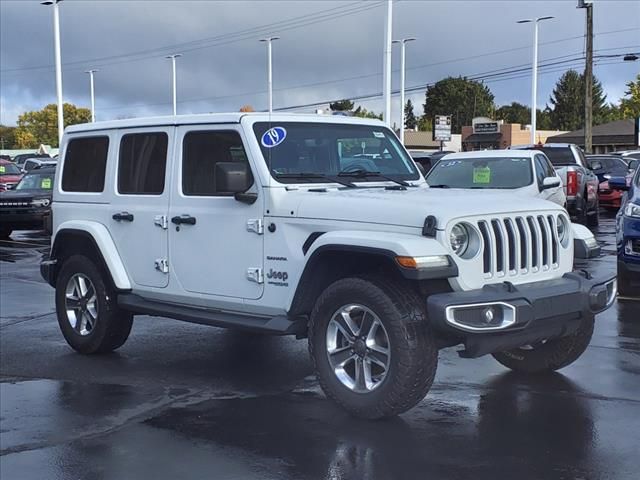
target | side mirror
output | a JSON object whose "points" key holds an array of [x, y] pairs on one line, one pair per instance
{"points": [[550, 182], [235, 178], [633, 164], [618, 183]]}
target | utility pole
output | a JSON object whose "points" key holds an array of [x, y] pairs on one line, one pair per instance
{"points": [[403, 43], [386, 64], [268, 41], [588, 78], [174, 78], [58, 62], [93, 95], [534, 73]]}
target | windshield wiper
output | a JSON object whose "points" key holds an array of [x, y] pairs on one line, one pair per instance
{"points": [[310, 175], [361, 173]]}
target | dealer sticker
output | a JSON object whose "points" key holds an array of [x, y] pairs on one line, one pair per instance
{"points": [[45, 184], [378, 134], [2, 169], [273, 137], [482, 175]]}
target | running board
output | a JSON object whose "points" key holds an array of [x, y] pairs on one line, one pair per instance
{"points": [[280, 325]]}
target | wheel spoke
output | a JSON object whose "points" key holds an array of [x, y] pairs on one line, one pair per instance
{"points": [[368, 322], [360, 380], [90, 293], [72, 303], [340, 355], [81, 286], [346, 325], [379, 355]]}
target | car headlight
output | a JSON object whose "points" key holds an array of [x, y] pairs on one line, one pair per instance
{"points": [[40, 202], [632, 210], [459, 239], [562, 227]]}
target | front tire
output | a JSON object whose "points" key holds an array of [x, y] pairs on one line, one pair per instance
{"points": [[88, 315], [551, 355], [371, 346], [625, 288]]}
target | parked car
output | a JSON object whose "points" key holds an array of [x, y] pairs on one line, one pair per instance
{"points": [[20, 159], [628, 235], [605, 167], [10, 175], [5, 157], [28, 206], [271, 223], [524, 172], [427, 159], [580, 183], [629, 156], [33, 163]]}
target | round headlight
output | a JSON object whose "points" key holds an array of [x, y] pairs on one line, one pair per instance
{"points": [[459, 239], [563, 230]]}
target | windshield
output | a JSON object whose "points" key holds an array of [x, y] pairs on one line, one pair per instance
{"points": [[9, 169], [615, 166], [36, 181], [479, 172], [322, 150]]}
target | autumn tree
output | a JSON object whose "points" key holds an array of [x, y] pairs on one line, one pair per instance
{"points": [[7, 137], [630, 103], [567, 102], [246, 109], [459, 97], [41, 126], [410, 121]]}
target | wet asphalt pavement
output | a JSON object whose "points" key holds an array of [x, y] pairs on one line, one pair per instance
{"points": [[185, 401]]}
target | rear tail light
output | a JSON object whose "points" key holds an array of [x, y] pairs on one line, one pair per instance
{"points": [[572, 183]]}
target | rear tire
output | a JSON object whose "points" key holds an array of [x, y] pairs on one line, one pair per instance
{"points": [[87, 309], [400, 329], [550, 356], [624, 284], [5, 232], [593, 220]]}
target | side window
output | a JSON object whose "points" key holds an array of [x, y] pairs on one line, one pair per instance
{"points": [[85, 164], [201, 151], [143, 163], [541, 170], [551, 172]]}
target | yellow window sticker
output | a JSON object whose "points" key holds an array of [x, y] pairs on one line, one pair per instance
{"points": [[45, 184], [482, 175], [2, 169]]}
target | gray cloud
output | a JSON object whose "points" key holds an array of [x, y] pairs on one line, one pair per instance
{"points": [[228, 69]]}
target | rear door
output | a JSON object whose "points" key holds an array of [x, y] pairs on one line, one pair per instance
{"points": [[138, 220]]}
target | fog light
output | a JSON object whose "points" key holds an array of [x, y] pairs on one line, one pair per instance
{"points": [[481, 316]]}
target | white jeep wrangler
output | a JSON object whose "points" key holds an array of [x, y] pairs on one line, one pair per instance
{"points": [[319, 227]]}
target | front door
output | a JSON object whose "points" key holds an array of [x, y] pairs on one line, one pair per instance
{"points": [[216, 247], [141, 202]]}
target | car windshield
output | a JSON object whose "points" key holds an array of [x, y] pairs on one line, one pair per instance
{"points": [[559, 155], [36, 181], [481, 172], [315, 152], [9, 169], [615, 166]]}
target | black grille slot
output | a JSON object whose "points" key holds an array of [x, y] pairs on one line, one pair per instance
{"points": [[486, 254], [497, 231], [554, 241], [545, 240], [534, 241], [524, 250], [511, 235]]}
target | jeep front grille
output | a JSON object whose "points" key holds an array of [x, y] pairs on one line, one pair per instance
{"points": [[520, 245]]}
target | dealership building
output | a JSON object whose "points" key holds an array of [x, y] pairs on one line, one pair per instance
{"points": [[608, 137], [487, 134]]}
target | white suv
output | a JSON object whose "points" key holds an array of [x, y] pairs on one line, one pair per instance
{"points": [[319, 227]]}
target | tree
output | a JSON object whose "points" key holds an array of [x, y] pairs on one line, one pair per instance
{"points": [[514, 113], [246, 109], [567, 101], [7, 137], [364, 113], [342, 106], [459, 97], [41, 126], [630, 107], [410, 121]]}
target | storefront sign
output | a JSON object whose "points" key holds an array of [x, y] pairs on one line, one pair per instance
{"points": [[442, 128], [488, 127]]}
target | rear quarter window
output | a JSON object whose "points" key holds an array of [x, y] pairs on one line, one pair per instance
{"points": [[85, 164]]}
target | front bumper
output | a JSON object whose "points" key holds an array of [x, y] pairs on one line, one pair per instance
{"points": [[504, 316]]}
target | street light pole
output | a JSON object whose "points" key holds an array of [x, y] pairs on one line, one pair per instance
{"points": [[93, 95], [386, 73], [268, 41], [534, 72], [403, 43], [56, 41], [174, 81]]}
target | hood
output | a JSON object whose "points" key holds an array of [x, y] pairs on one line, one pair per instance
{"points": [[22, 196], [410, 207]]}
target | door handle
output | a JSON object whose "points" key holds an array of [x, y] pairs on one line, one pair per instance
{"points": [[123, 216], [184, 219]]}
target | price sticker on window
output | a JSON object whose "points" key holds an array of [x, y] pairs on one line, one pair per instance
{"points": [[2, 169], [45, 184], [482, 175]]}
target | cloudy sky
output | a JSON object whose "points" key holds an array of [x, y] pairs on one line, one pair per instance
{"points": [[328, 50]]}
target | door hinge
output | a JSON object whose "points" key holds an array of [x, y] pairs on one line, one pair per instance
{"points": [[161, 221], [162, 265], [255, 225], [255, 275]]}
